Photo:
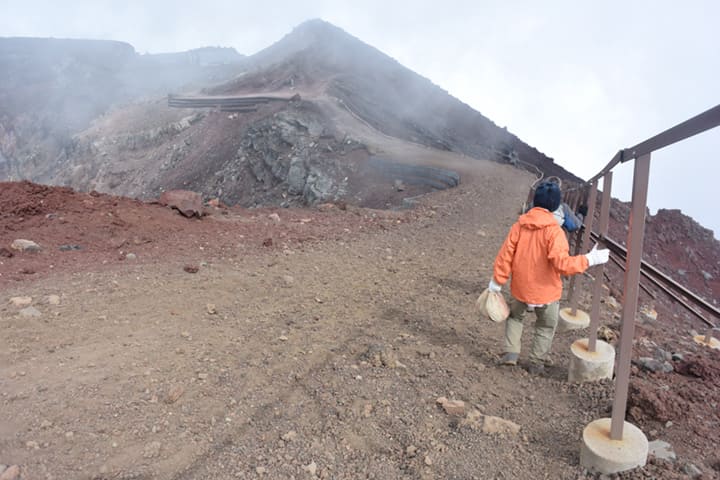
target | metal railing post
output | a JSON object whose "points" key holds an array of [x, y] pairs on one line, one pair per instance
{"points": [[600, 269], [577, 199], [584, 246], [572, 199], [636, 234]]}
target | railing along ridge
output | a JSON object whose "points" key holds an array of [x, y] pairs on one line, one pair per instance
{"points": [[587, 193]]}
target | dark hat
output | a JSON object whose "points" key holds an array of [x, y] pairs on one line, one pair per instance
{"points": [[547, 195]]}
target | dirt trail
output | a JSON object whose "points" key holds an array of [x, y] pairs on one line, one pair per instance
{"points": [[323, 359]]}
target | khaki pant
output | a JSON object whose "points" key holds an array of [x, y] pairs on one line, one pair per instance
{"points": [[547, 320]]}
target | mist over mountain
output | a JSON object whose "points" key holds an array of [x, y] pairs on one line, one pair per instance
{"points": [[52, 89], [58, 87]]}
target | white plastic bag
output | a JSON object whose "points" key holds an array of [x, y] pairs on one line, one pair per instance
{"points": [[493, 306]]}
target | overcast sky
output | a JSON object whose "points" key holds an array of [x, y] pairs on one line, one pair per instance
{"points": [[578, 80]]}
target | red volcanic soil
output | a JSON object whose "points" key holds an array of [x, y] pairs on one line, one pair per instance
{"points": [[82, 231]]}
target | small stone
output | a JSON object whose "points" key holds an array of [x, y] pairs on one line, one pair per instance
{"points": [[289, 436], [131, 256], [389, 359], [691, 470], [677, 357], [411, 451], [152, 450], [45, 424], [29, 312], [428, 461], [288, 280], [211, 309], [654, 365], [311, 468], [648, 314], [274, 217], [174, 394], [11, 473], [612, 302], [662, 355], [260, 470], [283, 338], [25, 245], [21, 301], [32, 444], [53, 299], [202, 376], [185, 334], [191, 268], [497, 425], [668, 424], [452, 407], [69, 435], [662, 450]]}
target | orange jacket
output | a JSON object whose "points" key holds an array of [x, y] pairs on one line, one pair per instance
{"points": [[536, 253]]}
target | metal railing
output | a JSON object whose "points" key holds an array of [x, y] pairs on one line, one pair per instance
{"points": [[640, 154], [237, 104]]}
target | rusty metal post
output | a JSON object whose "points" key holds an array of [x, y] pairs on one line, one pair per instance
{"points": [[585, 246], [581, 197], [708, 335], [636, 234], [573, 197], [573, 203], [600, 269], [577, 198], [573, 241]]}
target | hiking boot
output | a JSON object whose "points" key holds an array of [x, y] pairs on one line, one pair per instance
{"points": [[510, 359], [535, 368]]}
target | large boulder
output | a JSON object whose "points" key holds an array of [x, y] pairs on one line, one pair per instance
{"points": [[184, 201]]}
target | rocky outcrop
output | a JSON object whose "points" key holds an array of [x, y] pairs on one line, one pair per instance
{"points": [[291, 157]]}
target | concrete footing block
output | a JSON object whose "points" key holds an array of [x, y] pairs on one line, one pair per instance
{"points": [[587, 366], [599, 453], [568, 321]]}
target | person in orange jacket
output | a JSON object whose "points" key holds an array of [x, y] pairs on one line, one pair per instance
{"points": [[535, 254]]}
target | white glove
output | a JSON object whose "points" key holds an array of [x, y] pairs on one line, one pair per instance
{"points": [[596, 257], [494, 287]]}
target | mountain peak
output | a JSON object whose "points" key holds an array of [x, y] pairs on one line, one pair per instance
{"points": [[318, 29], [317, 35]]}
